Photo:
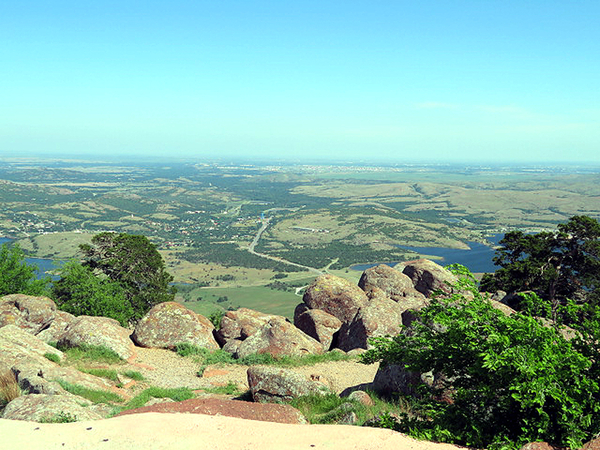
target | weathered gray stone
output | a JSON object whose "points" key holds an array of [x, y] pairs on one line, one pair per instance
{"points": [[279, 338], [362, 397], [168, 324], [336, 296], [98, 331], [28, 312], [394, 284], [275, 385], [41, 407], [428, 276], [241, 324], [317, 324], [17, 345], [232, 346], [56, 328], [381, 317]]}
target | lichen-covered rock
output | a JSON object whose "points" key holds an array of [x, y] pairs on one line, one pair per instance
{"points": [[28, 312], [427, 276], [276, 385], [381, 317], [54, 331], [394, 284], [168, 324], [317, 324], [278, 337], [98, 331], [17, 345], [41, 407], [241, 324], [336, 296]]}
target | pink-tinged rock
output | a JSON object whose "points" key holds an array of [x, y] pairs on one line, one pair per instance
{"points": [[240, 324], [317, 324], [168, 324], [543, 446], [394, 284], [98, 331], [276, 385], [57, 327], [427, 276], [381, 317], [336, 296], [28, 312], [279, 338]]}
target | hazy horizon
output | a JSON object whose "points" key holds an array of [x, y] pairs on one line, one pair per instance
{"points": [[465, 81]]}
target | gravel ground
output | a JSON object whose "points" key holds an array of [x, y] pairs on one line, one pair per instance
{"points": [[164, 368]]}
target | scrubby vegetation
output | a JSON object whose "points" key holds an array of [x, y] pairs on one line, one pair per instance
{"points": [[505, 380]]}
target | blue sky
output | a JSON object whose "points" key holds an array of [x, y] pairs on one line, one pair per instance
{"points": [[373, 80]]}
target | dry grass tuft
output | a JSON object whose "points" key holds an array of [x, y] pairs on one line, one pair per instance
{"points": [[9, 388]]}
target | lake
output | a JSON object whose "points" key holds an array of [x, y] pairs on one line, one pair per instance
{"points": [[43, 265], [477, 259]]}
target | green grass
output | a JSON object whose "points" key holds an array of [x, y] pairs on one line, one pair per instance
{"points": [[52, 357], [93, 395], [259, 298], [176, 394], [206, 358], [323, 409], [61, 417], [230, 389], [88, 353], [109, 374], [134, 375]]}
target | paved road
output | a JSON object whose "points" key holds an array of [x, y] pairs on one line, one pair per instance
{"points": [[274, 258]]}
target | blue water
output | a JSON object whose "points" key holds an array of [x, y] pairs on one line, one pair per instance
{"points": [[43, 265], [477, 259]]}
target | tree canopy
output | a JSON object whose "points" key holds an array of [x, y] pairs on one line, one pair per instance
{"points": [[135, 264], [18, 277], [559, 265]]}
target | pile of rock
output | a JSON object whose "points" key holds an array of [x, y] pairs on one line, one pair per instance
{"points": [[334, 314]]}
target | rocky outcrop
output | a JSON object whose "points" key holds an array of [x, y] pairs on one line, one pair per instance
{"points": [[278, 337], [427, 276], [265, 412], [57, 327], [241, 324], [17, 346], [275, 385], [317, 324], [394, 378], [394, 284], [336, 296], [168, 324], [32, 314], [49, 408], [99, 331], [381, 317]]}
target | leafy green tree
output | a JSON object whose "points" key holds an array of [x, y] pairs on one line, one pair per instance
{"points": [[511, 379], [80, 292], [133, 262], [18, 277], [555, 265]]}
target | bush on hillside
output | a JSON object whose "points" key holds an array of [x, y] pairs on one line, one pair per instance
{"points": [[512, 380], [18, 277]]}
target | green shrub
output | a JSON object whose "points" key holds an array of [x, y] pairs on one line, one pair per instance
{"points": [[61, 417], [513, 380]]}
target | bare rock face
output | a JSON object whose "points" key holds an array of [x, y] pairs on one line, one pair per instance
{"points": [[393, 378], [278, 337], [99, 331], [266, 412], [40, 407], [276, 385], [241, 324], [394, 284], [428, 276], [25, 311], [317, 324], [168, 324], [380, 317], [336, 296], [57, 327], [17, 345]]}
